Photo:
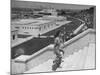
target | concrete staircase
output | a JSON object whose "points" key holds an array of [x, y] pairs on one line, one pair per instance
{"points": [[82, 59]]}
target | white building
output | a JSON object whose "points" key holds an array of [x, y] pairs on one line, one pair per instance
{"points": [[36, 26], [52, 11], [39, 25], [32, 26]]}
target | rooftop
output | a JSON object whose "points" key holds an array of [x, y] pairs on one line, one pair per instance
{"points": [[29, 22]]}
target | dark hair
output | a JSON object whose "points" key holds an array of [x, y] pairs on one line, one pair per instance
{"points": [[62, 51], [57, 34]]}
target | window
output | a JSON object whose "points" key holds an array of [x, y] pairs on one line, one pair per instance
{"points": [[17, 27], [13, 37]]}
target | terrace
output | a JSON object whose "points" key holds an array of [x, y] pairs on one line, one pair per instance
{"points": [[35, 44]]}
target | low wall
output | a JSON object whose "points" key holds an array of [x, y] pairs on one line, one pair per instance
{"points": [[17, 67], [71, 46], [79, 42]]}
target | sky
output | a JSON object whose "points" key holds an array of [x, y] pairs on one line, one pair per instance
{"points": [[32, 4]]}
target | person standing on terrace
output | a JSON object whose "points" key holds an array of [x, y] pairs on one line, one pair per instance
{"points": [[58, 43]]}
